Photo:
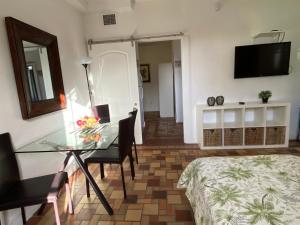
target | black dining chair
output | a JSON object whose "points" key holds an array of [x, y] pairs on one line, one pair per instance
{"points": [[102, 111], [133, 114], [115, 154], [17, 193]]}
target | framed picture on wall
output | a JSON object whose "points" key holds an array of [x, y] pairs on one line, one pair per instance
{"points": [[145, 72]]}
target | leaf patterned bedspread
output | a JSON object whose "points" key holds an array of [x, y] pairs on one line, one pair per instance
{"points": [[262, 190]]}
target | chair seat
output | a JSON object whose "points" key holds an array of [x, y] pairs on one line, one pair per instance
{"points": [[111, 155], [33, 191]]}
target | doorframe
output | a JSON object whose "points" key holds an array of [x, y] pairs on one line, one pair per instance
{"points": [[186, 82]]}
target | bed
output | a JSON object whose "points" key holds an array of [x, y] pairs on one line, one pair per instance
{"points": [[261, 190]]}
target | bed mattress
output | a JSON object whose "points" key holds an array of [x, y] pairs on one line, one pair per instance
{"points": [[261, 190]]}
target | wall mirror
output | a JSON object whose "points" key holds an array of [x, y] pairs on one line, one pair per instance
{"points": [[37, 69]]}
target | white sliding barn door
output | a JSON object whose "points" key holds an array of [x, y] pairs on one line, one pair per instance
{"points": [[115, 80]]}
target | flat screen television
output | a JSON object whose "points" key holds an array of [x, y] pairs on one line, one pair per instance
{"points": [[262, 60]]}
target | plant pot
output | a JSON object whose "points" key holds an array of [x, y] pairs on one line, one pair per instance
{"points": [[265, 100]]}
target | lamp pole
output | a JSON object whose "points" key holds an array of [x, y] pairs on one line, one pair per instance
{"points": [[85, 65]]}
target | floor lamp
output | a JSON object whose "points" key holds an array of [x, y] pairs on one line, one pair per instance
{"points": [[85, 61]]}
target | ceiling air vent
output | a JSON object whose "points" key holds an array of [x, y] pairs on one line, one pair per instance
{"points": [[109, 19]]}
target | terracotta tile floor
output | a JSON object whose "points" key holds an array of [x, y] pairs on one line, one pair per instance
{"points": [[152, 197], [162, 131]]}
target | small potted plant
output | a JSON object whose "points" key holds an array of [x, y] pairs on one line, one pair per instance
{"points": [[265, 95]]}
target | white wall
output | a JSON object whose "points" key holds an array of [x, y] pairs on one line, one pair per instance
{"points": [[211, 39], [176, 49], [58, 18], [153, 53]]}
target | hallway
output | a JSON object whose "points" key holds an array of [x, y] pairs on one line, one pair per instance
{"points": [[162, 131]]}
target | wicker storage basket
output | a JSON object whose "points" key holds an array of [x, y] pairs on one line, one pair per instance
{"points": [[212, 137], [233, 136], [275, 135], [254, 136]]}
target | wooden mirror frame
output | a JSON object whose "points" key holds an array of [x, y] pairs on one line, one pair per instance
{"points": [[17, 31]]}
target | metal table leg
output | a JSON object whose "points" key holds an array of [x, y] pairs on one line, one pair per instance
{"points": [[92, 182], [65, 163]]}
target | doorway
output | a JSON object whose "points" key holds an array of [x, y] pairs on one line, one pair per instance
{"points": [[159, 66], [113, 84]]}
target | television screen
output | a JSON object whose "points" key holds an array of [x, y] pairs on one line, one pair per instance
{"points": [[262, 60]]}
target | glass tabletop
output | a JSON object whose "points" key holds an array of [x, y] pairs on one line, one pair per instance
{"points": [[69, 139]]}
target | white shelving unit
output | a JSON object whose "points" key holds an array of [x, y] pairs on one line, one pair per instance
{"points": [[276, 116], [212, 119], [254, 117], [233, 118], [234, 126]]}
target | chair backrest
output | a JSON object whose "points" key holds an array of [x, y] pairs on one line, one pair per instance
{"points": [[125, 141], [102, 111], [9, 171], [133, 114]]}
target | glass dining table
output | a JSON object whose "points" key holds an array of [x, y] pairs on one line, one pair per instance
{"points": [[75, 142]]}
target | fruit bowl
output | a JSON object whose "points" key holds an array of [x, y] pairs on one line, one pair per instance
{"points": [[88, 122]]}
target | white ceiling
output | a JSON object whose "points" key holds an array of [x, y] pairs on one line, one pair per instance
{"points": [[81, 5], [110, 5], [104, 5]]}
